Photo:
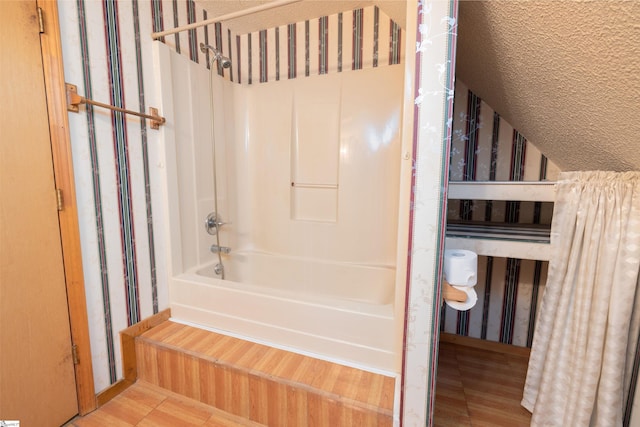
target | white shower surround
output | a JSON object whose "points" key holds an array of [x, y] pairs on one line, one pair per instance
{"points": [[355, 231]]}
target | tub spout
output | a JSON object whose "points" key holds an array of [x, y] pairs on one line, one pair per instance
{"points": [[220, 249], [219, 270]]}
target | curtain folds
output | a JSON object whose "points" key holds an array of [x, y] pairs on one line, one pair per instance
{"points": [[588, 325]]}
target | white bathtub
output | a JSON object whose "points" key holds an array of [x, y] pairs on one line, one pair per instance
{"points": [[337, 311]]}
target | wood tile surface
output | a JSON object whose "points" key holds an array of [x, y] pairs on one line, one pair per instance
{"points": [[477, 387], [264, 384], [146, 405]]}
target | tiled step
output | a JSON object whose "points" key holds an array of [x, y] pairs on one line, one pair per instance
{"points": [[262, 384], [147, 405]]}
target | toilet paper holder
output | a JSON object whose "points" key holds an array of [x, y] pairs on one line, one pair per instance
{"points": [[452, 294]]}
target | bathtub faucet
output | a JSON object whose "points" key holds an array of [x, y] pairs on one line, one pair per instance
{"points": [[213, 223], [220, 249]]}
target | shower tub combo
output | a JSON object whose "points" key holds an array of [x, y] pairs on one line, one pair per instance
{"points": [[308, 305], [311, 190]]}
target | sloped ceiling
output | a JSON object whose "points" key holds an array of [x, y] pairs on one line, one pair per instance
{"points": [[566, 74]]}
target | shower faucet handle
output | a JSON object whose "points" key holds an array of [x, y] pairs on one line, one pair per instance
{"points": [[213, 222], [219, 249]]}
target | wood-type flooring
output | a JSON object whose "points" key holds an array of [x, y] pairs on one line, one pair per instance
{"points": [[479, 388], [146, 405], [475, 387], [264, 384]]}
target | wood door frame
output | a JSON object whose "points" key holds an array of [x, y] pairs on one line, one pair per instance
{"points": [[53, 70]]}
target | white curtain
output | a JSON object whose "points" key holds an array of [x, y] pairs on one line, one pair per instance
{"points": [[587, 328]]}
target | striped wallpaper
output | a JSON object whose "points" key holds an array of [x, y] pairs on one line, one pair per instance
{"points": [[486, 148], [107, 53], [354, 40]]}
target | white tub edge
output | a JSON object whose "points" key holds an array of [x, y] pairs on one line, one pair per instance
{"points": [[344, 362]]}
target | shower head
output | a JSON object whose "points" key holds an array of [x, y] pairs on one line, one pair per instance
{"points": [[222, 60]]}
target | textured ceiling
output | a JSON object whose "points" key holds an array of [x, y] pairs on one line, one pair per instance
{"points": [[295, 12], [566, 74]]}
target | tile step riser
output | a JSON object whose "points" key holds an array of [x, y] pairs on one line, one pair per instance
{"points": [[256, 396]]}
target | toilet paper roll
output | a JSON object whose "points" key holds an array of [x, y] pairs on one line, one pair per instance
{"points": [[472, 298], [460, 267]]}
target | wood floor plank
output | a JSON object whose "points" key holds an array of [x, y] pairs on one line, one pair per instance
{"points": [[147, 362], [316, 374], [346, 382], [277, 407], [175, 412], [163, 331], [128, 410], [182, 336], [388, 393], [288, 366], [258, 411], [223, 386], [376, 391], [251, 357], [317, 411], [221, 421], [330, 378], [482, 417], [165, 359], [178, 372], [239, 392], [301, 369], [161, 408], [96, 419], [444, 418], [483, 344], [189, 343], [487, 385], [296, 407], [217, 422], [479, 387], [364, 386], [269, 361], [233, 351], [207, 382], [218, 344], [479, 370], [192, 377], [145, 394]]}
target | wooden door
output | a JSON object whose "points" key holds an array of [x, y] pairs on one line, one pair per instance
{"points": [[37, 380]]}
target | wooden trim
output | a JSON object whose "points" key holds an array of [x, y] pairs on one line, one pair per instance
{"points": [[69, 229], [129, 361], [498, 347], [112, 391], [128, 345]]}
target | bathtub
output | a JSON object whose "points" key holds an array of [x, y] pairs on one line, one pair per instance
{"points": [[336, 311]]}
